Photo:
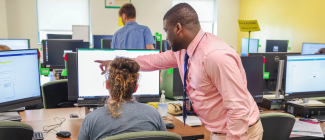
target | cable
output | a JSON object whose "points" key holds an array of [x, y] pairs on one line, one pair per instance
{"points": [[79, 112], [54, 126]]}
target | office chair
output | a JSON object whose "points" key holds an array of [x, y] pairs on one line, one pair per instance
{"points": [[277, 126], [145, 135], [10, 130], [55, 94]]}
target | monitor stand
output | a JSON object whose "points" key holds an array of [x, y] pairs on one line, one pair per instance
{"points": [[275, 101], [305, 108], [10, 116]]}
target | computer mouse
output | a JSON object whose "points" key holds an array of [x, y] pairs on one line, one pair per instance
{"points": [[169, 125], [63, 134], [73, 116]]}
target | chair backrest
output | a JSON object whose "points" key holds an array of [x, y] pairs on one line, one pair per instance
{"points": [[54, 93], [277, 126], [10, 130], [146, 135]]}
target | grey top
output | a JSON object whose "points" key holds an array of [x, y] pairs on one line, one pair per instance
{"points": [[135, 117]]}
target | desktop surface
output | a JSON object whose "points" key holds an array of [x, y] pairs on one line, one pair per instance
{"points": [[97, 40], [276, 45], [15, 44], [253, 46], [311, 48]]}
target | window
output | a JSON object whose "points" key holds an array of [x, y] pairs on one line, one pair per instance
{"points": [[58, 16], [206, 12]]}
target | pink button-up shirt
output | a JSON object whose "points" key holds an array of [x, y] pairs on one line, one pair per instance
{"points": [[216, 84]]}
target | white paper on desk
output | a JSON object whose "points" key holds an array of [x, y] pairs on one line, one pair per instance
{"points": [[307, 129], [191, 120]]}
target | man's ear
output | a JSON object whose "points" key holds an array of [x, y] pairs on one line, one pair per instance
{"points": [[124, 17], [107, 85], [136, 88], [178, 28]]}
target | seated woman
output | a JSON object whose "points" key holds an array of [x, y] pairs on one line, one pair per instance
{"points": [[122, 114], [4, 48]]}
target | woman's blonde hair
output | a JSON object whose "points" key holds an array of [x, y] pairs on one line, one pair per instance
{"points": [[122, 79], [4, 48]]}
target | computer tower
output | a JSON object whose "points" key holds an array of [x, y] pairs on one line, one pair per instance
{"points": [[72, 76]]}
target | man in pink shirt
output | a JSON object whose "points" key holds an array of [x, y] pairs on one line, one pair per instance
{"points": [[215, 78]]}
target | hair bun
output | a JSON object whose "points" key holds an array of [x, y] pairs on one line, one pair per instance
{"points": [[125, 65]]}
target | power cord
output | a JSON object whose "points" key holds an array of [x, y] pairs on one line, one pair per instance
{"points": [[54, 126]]}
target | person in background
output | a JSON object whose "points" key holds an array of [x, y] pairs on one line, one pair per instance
{"points": [[132, 35], [122, 114], [321, 51], [213, 77], [4, 48]]}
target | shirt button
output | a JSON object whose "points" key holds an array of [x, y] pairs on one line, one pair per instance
{"points": [[193, 89], [190, 78]]}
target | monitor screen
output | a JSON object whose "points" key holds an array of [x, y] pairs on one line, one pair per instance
{"points": [[57, 48], [58, 36], [253, 46], [311, 48], [276, 45], [97, 40], [254, 74], [91, 83], [15, 44], [305, 76], [106, 44], [19, 77]]}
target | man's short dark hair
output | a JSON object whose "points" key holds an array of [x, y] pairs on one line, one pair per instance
{"points": [[129, 10], [182, 13]]}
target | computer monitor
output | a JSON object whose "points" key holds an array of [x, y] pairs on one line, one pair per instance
{"points": [[72, 74], [16, 44], [59, 36], [271, 66], [171, 83], [54, 54], [165, 46], [91, 83], [276, 45], [20, 84], [97, 40], [311, 48], [304, 77], [107, 44], [254, 74], [253, 46]]}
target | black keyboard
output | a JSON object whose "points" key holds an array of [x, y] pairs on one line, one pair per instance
{"points": [[38, 136], [319, 117]]}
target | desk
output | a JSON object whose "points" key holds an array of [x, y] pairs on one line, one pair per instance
{"points": [[39, 118]]}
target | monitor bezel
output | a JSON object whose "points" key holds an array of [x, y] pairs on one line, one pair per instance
{"points": [[103, 97], [299, 94], [25, 101]]}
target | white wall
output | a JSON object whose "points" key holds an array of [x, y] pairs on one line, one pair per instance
{"points": [[150, 13], [227, 21], [22, 21], [3, 22]]}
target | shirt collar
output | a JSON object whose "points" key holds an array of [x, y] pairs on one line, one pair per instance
{"points": [[131, 23], [191, 48]]}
